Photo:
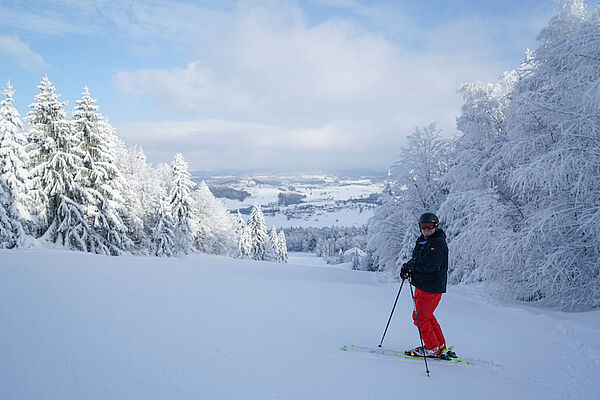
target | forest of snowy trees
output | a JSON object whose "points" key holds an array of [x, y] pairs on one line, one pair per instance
{"points": [[518, 193], [331, 243], [71, 182]]}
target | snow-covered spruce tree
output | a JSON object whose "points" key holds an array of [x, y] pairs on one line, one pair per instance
{"points": [[282, 252], [414, 187], [163, 235], [238, 227], [215, 231], [479, 203], [257, 233], [54, 160], [182, 205], [272, 250], [245, 243], [8, 231], [15, 198], [551, 159], [100, 180]]}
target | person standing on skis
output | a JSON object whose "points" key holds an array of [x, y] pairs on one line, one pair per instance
{"points": [[428, 273]]}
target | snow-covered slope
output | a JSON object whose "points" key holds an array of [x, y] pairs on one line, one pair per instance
{"points": [[79, 326]]}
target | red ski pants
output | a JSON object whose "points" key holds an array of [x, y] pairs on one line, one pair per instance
{"points": [[426, 304]]}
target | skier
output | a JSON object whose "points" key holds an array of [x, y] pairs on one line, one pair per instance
{"points": [[427, 271]]}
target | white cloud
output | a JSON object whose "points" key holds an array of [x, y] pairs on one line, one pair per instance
{"points": [[213, 143], [333, 89], [12, 47]]}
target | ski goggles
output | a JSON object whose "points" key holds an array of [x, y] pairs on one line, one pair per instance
{"points": [[427, 225]]}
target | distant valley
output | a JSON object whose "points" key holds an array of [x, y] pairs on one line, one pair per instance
{"points": [[300, 199]]}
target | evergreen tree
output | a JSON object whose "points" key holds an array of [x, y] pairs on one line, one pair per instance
{"points": [[182, 205], [8, 230], [245, 243], [257, 233], [54, 157], [16, 199], [163, 235], [100, 179], [238, 226], [272, 251], [282, 247]]}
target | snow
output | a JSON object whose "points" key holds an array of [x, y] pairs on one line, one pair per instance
{"points": [[81, 326], [322, 218]]}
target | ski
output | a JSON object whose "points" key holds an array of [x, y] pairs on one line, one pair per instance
{"points": [[401, 354]]}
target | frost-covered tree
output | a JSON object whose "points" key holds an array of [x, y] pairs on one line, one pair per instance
{"points": [[245, 244], [142, 192], [100, 179], [388, 226], [9, 226], [272, 251], [239, 225], [182, 205], [527, 172], [281, 247], [54, 161], [163, 235], [257, 235], [414, 187], [479, 203], [551, 160], [15, 195], [215, 230]]}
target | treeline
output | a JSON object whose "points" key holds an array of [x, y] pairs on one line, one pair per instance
{"points": [[519, 192], [331, 243], [71, 182]]}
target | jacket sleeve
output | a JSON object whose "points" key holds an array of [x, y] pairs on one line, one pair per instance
{"points": [[432, 258]]}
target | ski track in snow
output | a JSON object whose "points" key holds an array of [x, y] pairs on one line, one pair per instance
{"points": [[80, 326]]}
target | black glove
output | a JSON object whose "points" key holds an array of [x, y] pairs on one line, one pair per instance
{"points": [[405, 272]]}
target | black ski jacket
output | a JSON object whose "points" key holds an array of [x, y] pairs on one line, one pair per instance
{"points": [[429, 263]]}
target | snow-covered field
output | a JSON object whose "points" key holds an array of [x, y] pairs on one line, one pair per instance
{"points": [[80, 326]]}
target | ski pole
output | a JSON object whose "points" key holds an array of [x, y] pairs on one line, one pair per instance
{"points": [[419, 327], [392, 313]]}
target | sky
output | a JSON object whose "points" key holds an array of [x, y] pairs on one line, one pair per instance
{"points": [[267, 85]]}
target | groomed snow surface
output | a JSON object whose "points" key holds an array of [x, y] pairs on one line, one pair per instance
{"points": [[80, 326]]}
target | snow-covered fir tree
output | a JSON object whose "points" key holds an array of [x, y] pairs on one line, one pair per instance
{"points": [[281, 247], [100, 179], [414, 187], [9, 226], [245, 244], [54, 160], [15, 198], [182, 205], [163, 234], [238, 227], [272, 253], [255, 238]]}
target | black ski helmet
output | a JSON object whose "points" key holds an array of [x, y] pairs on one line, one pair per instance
{"points": [[429, 217]]}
